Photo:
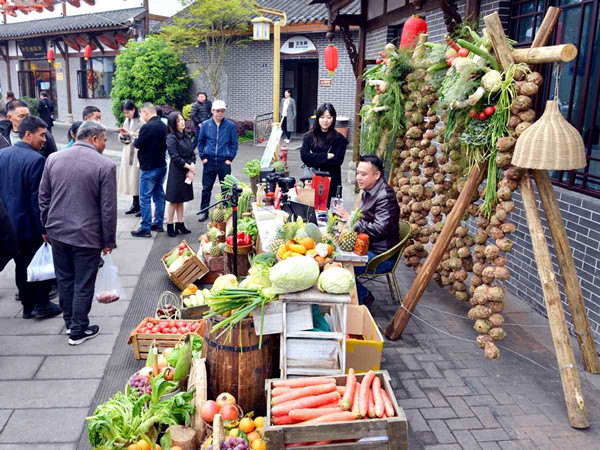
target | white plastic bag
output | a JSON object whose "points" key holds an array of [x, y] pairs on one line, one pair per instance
{"points": [[108, 285], [41, 267]]}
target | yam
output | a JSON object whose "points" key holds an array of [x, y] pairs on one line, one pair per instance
{"points": [[496, 307], [495, 319], [500, 261], [496, 293], [491, 351], [501, 273], [482, 326], [513, 122], [497, 333], [508, 227], [504, 244], [491, 252], [461, 296], [503, 160], [522, 127], [483, 339], [514, 173], [535, 77], [505, 144], [504, 193], [527, 115], [479, 312]]}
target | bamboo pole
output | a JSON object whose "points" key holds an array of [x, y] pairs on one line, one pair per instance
{"points": [[402, 316], [589, 353], [556, 315], [542, 55]]}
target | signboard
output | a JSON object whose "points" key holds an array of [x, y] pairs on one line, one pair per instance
{"points": [[33, 48], [325, 82], [59, 76], [269, 152], [298, 46]]}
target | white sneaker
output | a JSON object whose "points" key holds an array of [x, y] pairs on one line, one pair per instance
{"points": [[91, 332], [287, 141], [68, 331]]}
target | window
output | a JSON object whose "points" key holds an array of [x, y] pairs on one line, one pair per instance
{"points": [[579, 83], [94, 80]]}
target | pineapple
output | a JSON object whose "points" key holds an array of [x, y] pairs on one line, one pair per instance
{"points": [[219, 215], [347, 238], [215, 249], [279, 239], [330, 230]]}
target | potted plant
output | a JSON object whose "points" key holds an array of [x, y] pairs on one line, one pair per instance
{"points": [[252, 169]]}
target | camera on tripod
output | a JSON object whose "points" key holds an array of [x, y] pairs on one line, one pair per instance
{"points": [[279, 179]]}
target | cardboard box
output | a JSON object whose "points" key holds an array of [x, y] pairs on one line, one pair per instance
{"points": [[363, 355], [306, 196]]}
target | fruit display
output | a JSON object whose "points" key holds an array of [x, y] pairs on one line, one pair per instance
{"points": [[158, 327], [296, 238], [192, 296], [177, 257], [347, 238]]}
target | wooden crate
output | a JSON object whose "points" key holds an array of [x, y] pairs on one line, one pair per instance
{"points": [[193, 312], [395, 429], [142, 342], [192, 270]]}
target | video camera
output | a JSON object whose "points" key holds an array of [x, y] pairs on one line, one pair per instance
{"points": [[279, 179]]}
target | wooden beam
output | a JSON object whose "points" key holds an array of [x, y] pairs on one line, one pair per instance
{"points": [[349, 20], [499, 40], [397, 15], [100, 46], [360, 88], [8, 66], [543, 55]]}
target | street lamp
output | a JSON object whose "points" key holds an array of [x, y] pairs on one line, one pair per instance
{"points": [[261, 26]]}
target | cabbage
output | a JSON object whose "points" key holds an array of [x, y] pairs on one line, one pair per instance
{"points": [[336, 280], [224, 282], [258, 278], [294, 274]]}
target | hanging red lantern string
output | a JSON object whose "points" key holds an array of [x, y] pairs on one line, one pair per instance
{"points": [[331, 58], [50, 55], [87, 52]]}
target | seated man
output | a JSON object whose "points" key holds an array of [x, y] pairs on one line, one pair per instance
{"points": [[381, 215]]}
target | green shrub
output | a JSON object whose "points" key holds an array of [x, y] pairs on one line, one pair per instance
{"points": [[149, 71], [33, 105], [187, 112]]}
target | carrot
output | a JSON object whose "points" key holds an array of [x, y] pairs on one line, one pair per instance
{"points": [[341, 389], [378, 398], [355, 403], [308, 414], [335, 417], [365, 386], [306, 402], [283, 420], [387, 404], [276, 392], [303, 392], [371, 405], [330, 405], [303, 382], [350, 388]]}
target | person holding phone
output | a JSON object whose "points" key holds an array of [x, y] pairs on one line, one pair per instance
{"points": [[129, 175]]}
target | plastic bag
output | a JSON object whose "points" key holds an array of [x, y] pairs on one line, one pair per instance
{"points": [[41, 267], [108, 285]]}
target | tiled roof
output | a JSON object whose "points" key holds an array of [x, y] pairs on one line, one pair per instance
{"points": [[105, 19], [300, 11]]}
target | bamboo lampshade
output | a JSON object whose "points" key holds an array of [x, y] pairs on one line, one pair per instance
{"points": [[551, 143]]}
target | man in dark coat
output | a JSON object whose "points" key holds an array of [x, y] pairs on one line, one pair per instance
{"points": [[201, 111], [46, 108], [8, 241], [152, 146], [16, 111], [21, 168]]}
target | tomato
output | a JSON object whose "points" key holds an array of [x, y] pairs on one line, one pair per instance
{"points": [[180, 323], [181, 246], [379, 61], [240, 241], [482, 116], [172, 323], [174, 330], [193, 327], [163, 325], [183, 330], [450, 61], [229, 240], [382, 54], [473, 113], [463, 52], [489, 110], [156, 329], [247, 240], [495, 107]]}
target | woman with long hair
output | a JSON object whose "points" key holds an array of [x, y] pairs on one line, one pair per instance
{"points": [[181, 172], [129, 175], [323, 148]]}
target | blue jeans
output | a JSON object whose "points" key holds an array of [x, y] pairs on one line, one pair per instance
{"points": [[383, 267], [151, 187], [210, 172]]}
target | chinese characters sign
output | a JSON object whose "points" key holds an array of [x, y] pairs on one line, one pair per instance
{"points": [[33, 48], [298, 45]]}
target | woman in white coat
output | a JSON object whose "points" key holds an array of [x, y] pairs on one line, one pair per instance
{"points": [[287, 107], [129, 175]]}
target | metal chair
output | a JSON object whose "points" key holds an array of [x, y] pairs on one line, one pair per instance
{"points": [[397, 250]]}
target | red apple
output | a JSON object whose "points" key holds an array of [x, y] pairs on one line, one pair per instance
{"points": [[208, 411], [229, 412], [225, 399]]}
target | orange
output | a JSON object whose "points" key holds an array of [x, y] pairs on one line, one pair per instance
{"points": [[234, 432], [253, 436], [329, 249], [288, 244], [260, 430], [307, 243], [176, 448], [247, 425], [259, 444], [319, 258], [143, 445], [259, 422], [158, 447], [132, 447]]}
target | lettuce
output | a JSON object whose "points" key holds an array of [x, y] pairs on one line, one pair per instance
{"points": [[294, 274], [336, 280]]}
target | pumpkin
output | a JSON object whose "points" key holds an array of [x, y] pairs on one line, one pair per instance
{"points": [[414, 26]]}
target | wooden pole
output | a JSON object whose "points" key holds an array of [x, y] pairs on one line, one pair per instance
{"points": [[589, 353], [542, 55], [360, 88], [402, 316], [556, 315]]}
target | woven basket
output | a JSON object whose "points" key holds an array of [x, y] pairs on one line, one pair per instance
{"points": [[551, 143]]}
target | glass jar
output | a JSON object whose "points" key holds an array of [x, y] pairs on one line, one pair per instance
{"points": [[361, 247]]}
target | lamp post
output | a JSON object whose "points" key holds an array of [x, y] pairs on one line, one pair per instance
{"points": [[261, 33]]}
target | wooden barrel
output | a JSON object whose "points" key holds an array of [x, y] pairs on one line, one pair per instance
{"points": [[239, 370], [243, 260]]}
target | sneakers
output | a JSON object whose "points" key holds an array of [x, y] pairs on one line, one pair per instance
{"points": [[91, 332], [157, 228], [48, 310], [203, 216], [140, 232]]}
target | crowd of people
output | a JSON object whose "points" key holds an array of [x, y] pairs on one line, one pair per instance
{"points": [[40, 204]]}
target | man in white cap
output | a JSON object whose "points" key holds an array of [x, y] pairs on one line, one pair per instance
{"points": [[217, 148]]}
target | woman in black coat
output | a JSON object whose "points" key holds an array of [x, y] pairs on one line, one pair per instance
{"points": [[323, 148], [181, 172]]}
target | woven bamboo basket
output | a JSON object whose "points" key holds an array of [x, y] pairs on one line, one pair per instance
{"points": [[551, 143]]}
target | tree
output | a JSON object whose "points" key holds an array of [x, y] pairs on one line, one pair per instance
{"points": [[216, 27], [149, 71]]}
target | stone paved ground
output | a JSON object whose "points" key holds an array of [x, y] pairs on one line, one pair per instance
{"points": [[453, 397]]}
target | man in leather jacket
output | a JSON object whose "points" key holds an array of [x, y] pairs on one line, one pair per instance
{"points": [[381, 215]]}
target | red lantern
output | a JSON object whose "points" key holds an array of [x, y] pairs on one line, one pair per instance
{"points": [[331, 58], [87, 52], [50, 55]]}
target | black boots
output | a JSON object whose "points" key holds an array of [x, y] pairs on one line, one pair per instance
{"points": [[135, 206], [171, 230], [180, 228]]}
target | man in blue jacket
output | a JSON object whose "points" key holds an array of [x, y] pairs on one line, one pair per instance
{"points": [[217, 148], [21, 168]]}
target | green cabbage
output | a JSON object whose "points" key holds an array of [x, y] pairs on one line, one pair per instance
{"points": [[258, 278], [294, 274], [336, 280]]}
